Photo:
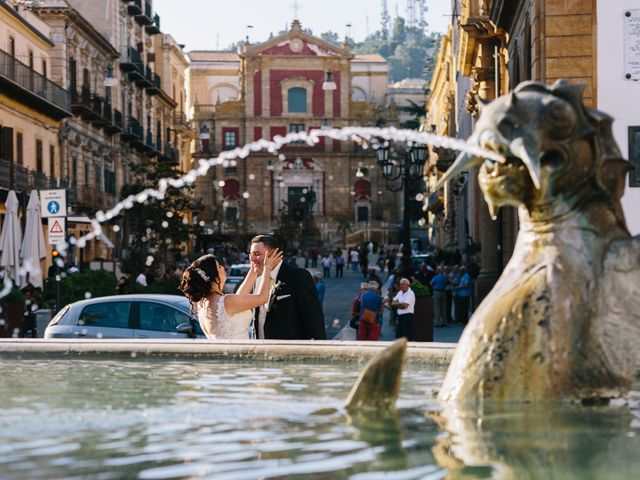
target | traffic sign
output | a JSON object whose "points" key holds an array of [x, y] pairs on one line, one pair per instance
{"points": [[56, 229], [53, 203]]}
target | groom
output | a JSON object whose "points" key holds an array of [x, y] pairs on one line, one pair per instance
{"points": [[293, 311]]}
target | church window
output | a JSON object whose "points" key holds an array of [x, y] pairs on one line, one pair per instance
{"points": [[297, 100], [230, 140]]}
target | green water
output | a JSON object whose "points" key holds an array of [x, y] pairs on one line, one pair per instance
{"points": [[161, 419]]}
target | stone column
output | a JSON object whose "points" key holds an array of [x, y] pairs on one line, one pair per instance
{"points": [[486, 229]]}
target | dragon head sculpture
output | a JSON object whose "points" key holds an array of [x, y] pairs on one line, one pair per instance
{"points": [[555, 151]]}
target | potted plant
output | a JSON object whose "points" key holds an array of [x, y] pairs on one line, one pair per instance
{"points": [[13, 313], [423, 314]]}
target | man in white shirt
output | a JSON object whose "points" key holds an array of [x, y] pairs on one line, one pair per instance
{"points": [[405, 300]]}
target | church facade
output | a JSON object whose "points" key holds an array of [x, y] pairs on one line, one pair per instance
{"points": [[269, 90]]}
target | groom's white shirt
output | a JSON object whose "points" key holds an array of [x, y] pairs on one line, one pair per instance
{"points": [[262, 315]]}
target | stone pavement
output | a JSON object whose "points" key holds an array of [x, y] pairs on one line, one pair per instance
{"points": [[339, 295]]}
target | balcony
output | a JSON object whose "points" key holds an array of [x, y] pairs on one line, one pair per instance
{"points": [[169, 155], [38, 180], [81, 102], [130, 61], [5, 175], [134, 7], [146, 17], [150, 146], [114, 123], [156, 84], [154, 28], [23, 84], [99, 108], [92, 108], [22, 179], [132, 131], [92, 198], [142, 78], [180, 122]]}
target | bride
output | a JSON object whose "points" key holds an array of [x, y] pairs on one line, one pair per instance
{"points": [[224, 317]]}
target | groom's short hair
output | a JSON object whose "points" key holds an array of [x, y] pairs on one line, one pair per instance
{"points": [[269, 241]]}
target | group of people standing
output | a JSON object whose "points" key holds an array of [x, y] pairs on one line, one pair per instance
{"points": [[368, 307], [451, 287]]}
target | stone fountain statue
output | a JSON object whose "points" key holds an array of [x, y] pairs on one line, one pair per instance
{"points": [[563, 320]]}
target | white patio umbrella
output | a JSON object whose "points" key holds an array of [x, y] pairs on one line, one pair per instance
{"points": [[33, 248], [10, 239]]}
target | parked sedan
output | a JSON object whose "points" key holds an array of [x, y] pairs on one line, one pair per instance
{"points": [[126, 316]]}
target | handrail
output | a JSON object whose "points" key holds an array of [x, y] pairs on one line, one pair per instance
{"points": [[29, 79]]}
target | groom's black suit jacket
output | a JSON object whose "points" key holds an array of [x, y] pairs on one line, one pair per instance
{"points": [[295, 312]]}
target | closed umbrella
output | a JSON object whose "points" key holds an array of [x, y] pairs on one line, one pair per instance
{"points": [[10, 239], [33, 249]]}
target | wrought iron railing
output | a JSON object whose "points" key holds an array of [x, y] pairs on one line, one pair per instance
{"points": [[34, 82]]}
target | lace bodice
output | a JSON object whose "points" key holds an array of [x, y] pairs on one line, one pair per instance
{"points": [[221, 326]]}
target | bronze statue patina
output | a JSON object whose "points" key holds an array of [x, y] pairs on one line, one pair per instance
{"points": [[563, 320]]}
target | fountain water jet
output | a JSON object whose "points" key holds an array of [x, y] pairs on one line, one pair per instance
{"points": [[366, 135]]}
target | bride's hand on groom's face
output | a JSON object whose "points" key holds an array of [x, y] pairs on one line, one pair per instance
{"points": [[272, 258]]}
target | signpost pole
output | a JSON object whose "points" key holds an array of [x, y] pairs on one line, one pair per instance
{"points": [[57, 287], [54, 208]]}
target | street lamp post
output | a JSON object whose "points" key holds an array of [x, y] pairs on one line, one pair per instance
{"points": [[404, 171]]}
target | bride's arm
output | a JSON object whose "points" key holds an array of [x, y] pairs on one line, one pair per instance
{"points": [[248, 282], [234, 303]]}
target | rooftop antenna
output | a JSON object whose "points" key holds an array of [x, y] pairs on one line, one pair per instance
{"points": [[248, 28], [348, 25], [411, 13], [422, 9], [296, 10]]}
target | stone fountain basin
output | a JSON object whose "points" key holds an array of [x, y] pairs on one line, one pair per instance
{"points": [[434, 354]]}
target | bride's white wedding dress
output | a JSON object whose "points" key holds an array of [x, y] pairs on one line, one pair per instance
{"points": [[234, 327]]}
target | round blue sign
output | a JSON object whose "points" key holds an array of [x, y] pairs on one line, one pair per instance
{"points": [[53, 207]]}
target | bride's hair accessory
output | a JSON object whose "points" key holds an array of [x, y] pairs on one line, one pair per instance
{"points": [[200, 272]]}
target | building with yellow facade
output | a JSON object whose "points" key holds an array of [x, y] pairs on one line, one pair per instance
{"points": [[31, 105], [89, 90], [491, 46]]}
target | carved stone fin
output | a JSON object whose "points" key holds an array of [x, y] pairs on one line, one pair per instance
{"points": [[378, 385]]}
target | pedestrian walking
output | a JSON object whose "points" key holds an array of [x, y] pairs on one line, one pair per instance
{"points": [[326, 265], [339, 264], [355, 306], [364, 262], [355, 259], [320, 286], [371, 307]]}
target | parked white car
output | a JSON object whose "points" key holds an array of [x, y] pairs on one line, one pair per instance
{"points": [[236, 275], [126, 316]]}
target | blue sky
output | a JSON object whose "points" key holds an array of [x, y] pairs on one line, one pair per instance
{"points": [[216, 24]]}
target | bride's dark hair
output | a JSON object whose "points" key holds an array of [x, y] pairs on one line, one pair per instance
{"points": [[198, 278]]}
